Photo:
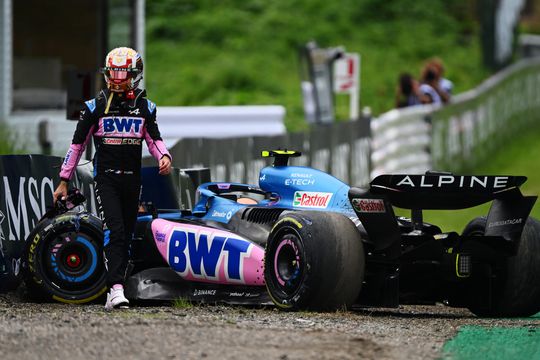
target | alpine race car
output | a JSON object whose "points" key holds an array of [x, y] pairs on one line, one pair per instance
{"points": [[303, 239]]}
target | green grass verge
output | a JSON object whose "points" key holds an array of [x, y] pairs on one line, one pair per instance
{"points": [[237, 52], [475, 342], [519, 157]]}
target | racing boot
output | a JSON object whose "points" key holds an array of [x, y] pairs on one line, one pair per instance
{"points": [[116, 298]]}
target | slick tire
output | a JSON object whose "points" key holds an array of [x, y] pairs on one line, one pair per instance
{"points": [[516, 287], [63, 260], [314, 261]]}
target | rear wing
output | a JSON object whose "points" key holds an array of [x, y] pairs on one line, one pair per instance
{"points": [[506, 218], [443, 192]]}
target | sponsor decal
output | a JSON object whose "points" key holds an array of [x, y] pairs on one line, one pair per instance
{"points": [[151, 106], [262, 178], [243, 294], [120, 141], [27, 205], [294, 221], [160, 236], [134, 112], [112, 141], [202, 253], [301, 175], [68, 155], [219, 214], [505, 222], [309, 199], [299, 182], [91, 105], [222, 214], [224, 186], [122, 125], [204, 292], [32, 253], [368, 205], [442, 181]]}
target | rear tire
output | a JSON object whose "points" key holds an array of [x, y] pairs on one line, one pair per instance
{"points": [[516, 287], [63, 259], [314, 261]]}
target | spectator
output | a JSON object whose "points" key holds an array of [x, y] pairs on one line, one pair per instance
{"points": [[430, 86], [445, 85], [407, 92]]}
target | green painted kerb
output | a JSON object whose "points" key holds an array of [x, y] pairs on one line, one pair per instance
{"points": [[475, 342]]}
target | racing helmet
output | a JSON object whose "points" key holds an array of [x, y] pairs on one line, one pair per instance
{"points": [[123, 69]]}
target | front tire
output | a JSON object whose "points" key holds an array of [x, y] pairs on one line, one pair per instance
{"points": [[314, 261], [63, 259], [516, 285]]}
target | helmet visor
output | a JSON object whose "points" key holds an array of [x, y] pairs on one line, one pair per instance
{"points": [[118, 74]]}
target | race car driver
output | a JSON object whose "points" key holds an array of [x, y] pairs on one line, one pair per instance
{"points": [[119, 118]]}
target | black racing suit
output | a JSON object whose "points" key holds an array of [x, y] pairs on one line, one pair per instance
{"points": [[118, 139]]}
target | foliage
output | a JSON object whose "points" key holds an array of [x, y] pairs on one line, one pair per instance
{"points": [[517, 158], [182, 303], [8, 145], [234, 52]]}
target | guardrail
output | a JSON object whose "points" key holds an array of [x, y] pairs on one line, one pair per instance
{"points": [[342, 149], [455, 137], [460, 135]]}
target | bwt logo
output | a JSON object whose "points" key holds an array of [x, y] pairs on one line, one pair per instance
{"points": [[122, 125], [202, 255]]}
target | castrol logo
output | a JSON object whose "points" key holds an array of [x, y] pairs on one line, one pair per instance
{"points": [[368, 205]]}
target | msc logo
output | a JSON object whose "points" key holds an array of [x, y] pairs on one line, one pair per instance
{"points": [[202, 255], [122, 125]]}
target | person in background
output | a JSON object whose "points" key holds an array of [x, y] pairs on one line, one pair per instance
{"points": [[429, 87], [119, 118], [445, 85], [407, 91]]}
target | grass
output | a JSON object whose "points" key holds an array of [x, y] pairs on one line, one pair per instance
{"points": [[519, 157], [236, 52], [182, 303], [7, 146]]}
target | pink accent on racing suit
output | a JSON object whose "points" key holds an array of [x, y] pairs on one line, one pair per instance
{"points": [[73, 157]]}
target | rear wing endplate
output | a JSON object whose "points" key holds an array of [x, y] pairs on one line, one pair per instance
{"points": [[506, 218]]}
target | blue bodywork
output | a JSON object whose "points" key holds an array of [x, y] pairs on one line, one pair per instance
{"points": [[289, 187]]}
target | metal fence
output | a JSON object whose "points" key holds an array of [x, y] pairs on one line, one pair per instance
{"points": [[342, 149], [482, 120]]}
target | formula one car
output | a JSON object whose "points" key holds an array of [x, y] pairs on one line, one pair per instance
{"points": [[303, 239]]}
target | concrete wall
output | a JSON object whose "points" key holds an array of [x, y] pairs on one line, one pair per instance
{"points": [[5, 58]]}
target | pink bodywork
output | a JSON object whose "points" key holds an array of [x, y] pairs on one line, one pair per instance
{"points": [[251, 261]]}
